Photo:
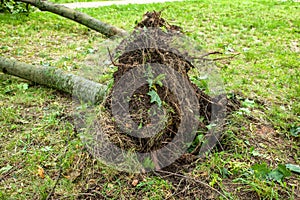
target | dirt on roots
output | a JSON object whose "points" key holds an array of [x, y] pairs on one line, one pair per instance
{"points": [[150, 52]]}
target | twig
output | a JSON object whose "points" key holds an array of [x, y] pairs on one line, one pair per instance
{"points": [[222, 58], [111, 59], [119, 64], [209, 53], [174, 193], [193, 179], [182, 191], [214, 59], [209, 101]]}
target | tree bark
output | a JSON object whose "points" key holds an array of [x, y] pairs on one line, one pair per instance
{"points": [[82, 18], [81, 88]]}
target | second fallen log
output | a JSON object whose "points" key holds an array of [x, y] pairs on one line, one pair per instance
{"points": [[80, 87], [82, 18]]}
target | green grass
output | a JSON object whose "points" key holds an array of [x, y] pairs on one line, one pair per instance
{"points": [[36, 130]]}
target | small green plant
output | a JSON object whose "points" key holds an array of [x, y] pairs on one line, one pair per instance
{"points": [[14, 7], [200, 81], [154, 97], [295, 131], [152, 86], [154, 188], [148, 163], [262, 171], [196, 142]]}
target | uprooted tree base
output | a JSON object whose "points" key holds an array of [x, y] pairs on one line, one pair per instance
{"points": [[151, 42]]}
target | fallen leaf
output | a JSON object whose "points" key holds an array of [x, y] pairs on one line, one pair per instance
{"points": [[73, 175], [110, 185], [205, 173], [67, 177], [92, 181], [41, 172], [135, 182]]}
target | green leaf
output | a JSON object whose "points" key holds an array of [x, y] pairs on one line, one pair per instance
{"points": [[5, 169], [46, 148], [261, 170], [224, 172], [199, 138], [279, 173], [293, 168], [256, 153], [275, 175], [284, 170], [158, 79], [159, 83], [25, 86], [248, 103], [201, 82], [244, 110], [211, 126], [154, 97], [295, 131], [140, 125], [150, 82], [149, 76]]}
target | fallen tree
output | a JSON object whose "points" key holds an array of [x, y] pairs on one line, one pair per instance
{"points": [[77, 86], [153, 57], [82, 18]]}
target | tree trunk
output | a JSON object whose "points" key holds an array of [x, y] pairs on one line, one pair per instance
{"points": [[81, 88], [84, 19]]}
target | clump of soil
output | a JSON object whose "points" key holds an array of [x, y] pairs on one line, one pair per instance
{"points": [[151, 42]]}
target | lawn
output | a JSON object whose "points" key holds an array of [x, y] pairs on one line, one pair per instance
{"points": [[41, 151]]}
